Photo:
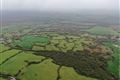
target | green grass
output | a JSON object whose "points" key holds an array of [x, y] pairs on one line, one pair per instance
{"points": [[14, 64], [68, 73], [13, 28], [54, 41], [51, 48], [61, 43], [36, 71], [2, 78], [102, 31], [7, 54], [69, 46], [48, 70], [46, 43], [28, 41], [3, 47], [43, 71], [59, 37], [38, 48]]}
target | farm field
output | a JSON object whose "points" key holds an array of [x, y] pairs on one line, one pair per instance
{"points": [[59, 40], [47, 54], [103, 31], [59, 46], [33, 66]]}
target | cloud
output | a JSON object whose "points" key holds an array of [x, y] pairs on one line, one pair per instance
{"points": [[59, 4]]}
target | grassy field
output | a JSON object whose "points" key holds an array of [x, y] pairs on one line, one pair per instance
{"points": [[26, 63], [102, 31], [36, 71], [28, 41], [50, 43], [3, 47], [7, 54], [72, 75], [45, 71], [17, 62]]}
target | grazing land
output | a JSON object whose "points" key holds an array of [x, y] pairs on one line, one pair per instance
{"points": [[60, 48]]}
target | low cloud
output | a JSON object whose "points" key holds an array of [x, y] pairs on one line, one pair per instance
{"points": [[59, 4]]}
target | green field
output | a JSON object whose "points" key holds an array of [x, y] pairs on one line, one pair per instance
{"points": [[102, 31], [38, 71], [7, 54], [51, 43], [59, 57], [35, 70], [16, 63], [3, 47], [72, 75], [27, 42]]}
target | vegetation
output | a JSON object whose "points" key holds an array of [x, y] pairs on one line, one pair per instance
{"points": [[38, 71], [72, 75], [5, 55], [59, 54], [102, 31], [15, 63], [91, 64], [3, 47], [113, 63], [27, 42]]}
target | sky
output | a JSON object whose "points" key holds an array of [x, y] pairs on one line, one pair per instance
{"points": [[59, 5]]}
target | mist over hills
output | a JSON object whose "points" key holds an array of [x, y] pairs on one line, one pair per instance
{"points": [[96, 17]]}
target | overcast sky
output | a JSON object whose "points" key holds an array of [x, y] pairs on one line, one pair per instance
{"points": [[59, 4]]}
